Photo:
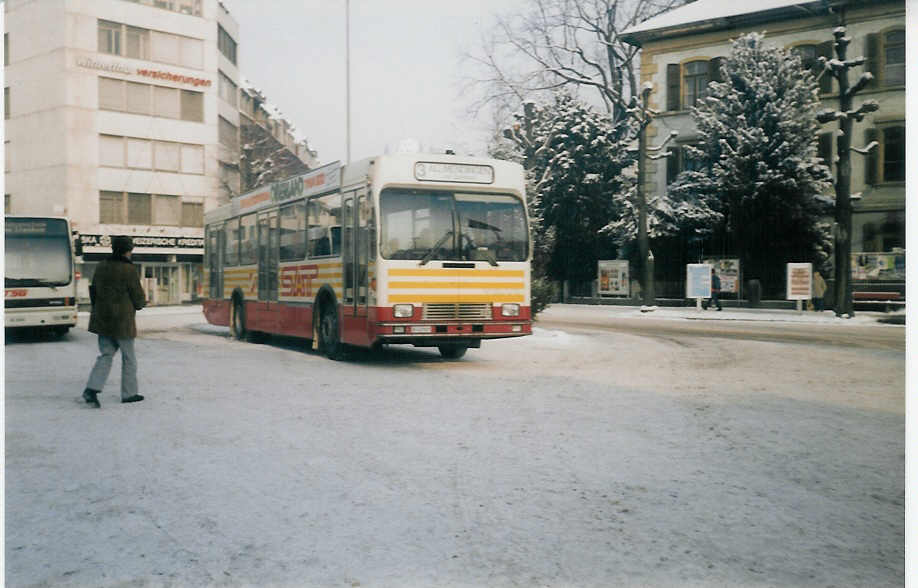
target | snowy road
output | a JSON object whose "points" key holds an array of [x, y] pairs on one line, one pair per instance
{"points": [[569, 458]]}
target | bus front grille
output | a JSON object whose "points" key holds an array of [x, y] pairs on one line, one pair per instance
{"points": [[439, 312]]}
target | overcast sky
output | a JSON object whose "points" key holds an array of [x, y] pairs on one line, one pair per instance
{"points": [[406, 69]]}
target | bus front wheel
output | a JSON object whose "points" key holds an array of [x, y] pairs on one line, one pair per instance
{"points": [[237, 322], [452, 351], [329, 333]]}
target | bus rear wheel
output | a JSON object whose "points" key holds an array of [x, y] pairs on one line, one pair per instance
{"points": [[329, 333], [453, 350], [237, 320]]}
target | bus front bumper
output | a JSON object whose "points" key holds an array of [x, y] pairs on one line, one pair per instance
{"points": [[44, 317], [436, 334]]}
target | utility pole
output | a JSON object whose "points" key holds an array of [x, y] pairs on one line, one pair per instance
{"points": [[347, 60], [644, 115], [846, 116]]}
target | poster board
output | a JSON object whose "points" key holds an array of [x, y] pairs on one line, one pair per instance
{"points": [[878, 267], [799, 281], [728, 270], [698, 280], [614, 279]]}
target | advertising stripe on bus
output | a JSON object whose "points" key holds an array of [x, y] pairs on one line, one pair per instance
{"points": [[456, 273], [394, 298]]}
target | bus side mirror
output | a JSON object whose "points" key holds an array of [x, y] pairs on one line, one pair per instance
{"points": [[77, 244]]}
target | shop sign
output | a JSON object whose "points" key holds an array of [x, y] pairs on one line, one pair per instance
{"points": [[115, 67], [89, 240]]}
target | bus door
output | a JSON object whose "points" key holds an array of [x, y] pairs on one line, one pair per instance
{"points": [[355, 251], [363, 217], [215, 244], [267, 256], [348, 251]]}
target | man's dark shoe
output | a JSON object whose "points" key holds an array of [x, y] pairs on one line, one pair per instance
{"points": [[90, 396], [134, 398]]}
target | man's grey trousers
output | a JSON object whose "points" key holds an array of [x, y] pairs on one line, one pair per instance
{"points": [[99, 374]]}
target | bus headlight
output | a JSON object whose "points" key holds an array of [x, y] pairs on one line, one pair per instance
{"points": [[402, 310], [510, 310]]}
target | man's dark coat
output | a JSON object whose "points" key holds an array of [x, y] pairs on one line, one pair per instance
{"points": [[116, 296]]}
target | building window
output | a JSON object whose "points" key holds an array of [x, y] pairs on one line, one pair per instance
{"points": [[7, 208], [111, 208], [192, 214], [6, 103], [7, 166], [229, 136], [192, 159], [809, 57], [695, 80], [227, 89], [111, 151], [192, 106], [679, 161], [166, 102], [226, 44], [886, 161], [894, 58], [189, 7], [166, 156], [687, 83], [116, 151], [167, 210], [109, 37], [137, 98], [6, 48], [139, 209], [894, 154], [886, 57], [137, 43]]}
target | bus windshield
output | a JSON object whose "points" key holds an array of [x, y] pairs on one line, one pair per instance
{"points": [[425, 225], [37, 252]]}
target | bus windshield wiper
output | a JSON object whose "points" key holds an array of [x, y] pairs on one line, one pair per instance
{"points": [[430, 252]]}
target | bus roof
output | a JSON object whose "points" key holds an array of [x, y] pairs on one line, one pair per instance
{"points": [[439, 170]]}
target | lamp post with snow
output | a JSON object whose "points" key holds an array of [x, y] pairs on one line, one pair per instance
{"points": [[644, 115]]}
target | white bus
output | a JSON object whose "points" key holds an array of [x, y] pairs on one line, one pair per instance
{"points": [[39, 278], [427, 250]]}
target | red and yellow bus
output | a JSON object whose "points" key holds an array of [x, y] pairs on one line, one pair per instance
{"points": [[427, 250]]}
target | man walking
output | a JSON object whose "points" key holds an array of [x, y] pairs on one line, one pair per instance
{"points": [[116, 296], [715, 292]]}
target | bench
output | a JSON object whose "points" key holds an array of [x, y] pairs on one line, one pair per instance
{"points": [[888, 299]]}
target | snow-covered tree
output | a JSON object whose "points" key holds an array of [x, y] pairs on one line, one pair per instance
{"points": [[574, 159], [758, 170]]}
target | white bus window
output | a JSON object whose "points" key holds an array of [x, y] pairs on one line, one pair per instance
{"points": [[324, 226], [231, 244], [248, 254], [293, 231]]}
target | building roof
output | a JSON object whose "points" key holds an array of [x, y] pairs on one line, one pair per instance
{"points": [[707, 15]]}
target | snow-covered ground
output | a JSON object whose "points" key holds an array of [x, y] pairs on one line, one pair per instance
{"points": [[563, 459]]}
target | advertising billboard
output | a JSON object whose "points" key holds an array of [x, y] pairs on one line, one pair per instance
{"points": [[613, 277]]}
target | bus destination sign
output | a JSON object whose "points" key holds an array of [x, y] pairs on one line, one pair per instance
{"points": [[453, 172]]}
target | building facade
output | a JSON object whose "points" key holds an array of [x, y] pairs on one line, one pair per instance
{"points": [[124, 116], [681, 50]]}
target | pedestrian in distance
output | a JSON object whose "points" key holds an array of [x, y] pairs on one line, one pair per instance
{"points": [[715, 292], [116, 295], [819, 291]]}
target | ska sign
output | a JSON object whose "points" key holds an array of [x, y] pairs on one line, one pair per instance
{"points": [[146, 241]]}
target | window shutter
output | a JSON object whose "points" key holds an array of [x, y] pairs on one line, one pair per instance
{"points": [[673, 87], [825, 82], [872, 159], [672, 164], [714, 69], [825, 148], [872, 49]]}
